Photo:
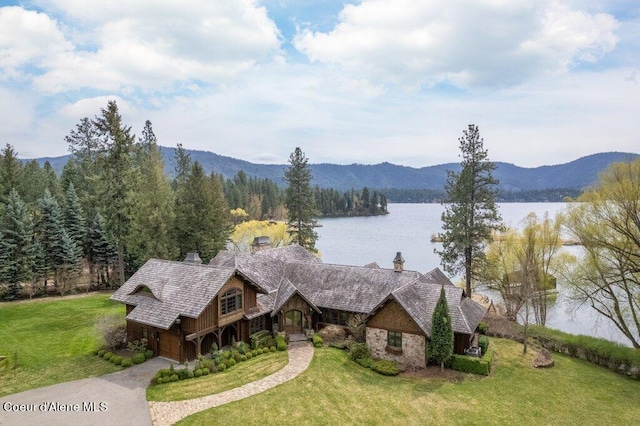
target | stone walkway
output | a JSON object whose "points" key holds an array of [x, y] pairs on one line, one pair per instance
{"points": [[168, 413]]}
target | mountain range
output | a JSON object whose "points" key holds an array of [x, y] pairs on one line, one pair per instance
{"points": [[576, 174]]}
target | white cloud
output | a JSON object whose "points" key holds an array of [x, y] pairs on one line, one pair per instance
{"points": [[468, 42], [164, 46], [28, 38]]}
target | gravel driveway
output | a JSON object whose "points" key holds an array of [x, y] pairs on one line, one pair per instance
{"points": [[112, 399]]}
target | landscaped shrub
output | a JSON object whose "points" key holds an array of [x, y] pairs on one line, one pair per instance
{"points": [[255, 352], [138, 346], [138, 358], [222, 366], [359, 351], [183, 373], [265, 350], [366, 362], [231, 362], [317, 340], [483, 342], [190, 374], [249, 355], [101, 352], [281, 343], [243, 358], [385, 367], [214, 347], [243, 348], [107, 355], [126, 362], [468, 364], [148, 354], [237, 356], [272, 348], [270, 342], [174, 378], [197, 372], [117, 360], [113, 330], [259, 338], [483, 328], [205, 371]]}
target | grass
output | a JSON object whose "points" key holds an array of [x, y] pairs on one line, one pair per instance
{"points": [[240, 374], [54, 340], [336, 390]]}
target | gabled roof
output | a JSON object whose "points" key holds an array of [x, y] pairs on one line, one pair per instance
{"points": [[419, 300], [178, 288], [285, 292]]}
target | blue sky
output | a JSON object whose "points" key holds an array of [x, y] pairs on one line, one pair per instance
{"points": [[349, 82]]}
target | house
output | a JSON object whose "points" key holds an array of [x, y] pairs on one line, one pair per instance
{"points": [[182, 308]]}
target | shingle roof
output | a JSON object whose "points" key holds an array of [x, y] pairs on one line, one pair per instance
{"points": [[187, 288], [419, 300], [178, 288]]}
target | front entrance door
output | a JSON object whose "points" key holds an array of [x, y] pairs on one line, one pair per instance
{"points": [[293, 322]]}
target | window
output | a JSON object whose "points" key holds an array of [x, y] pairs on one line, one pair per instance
{"points": [[333, 316], [231, 301], [256, 324], [394, 339]]}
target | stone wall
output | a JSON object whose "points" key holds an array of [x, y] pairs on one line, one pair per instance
{"points": [[411, 356]]}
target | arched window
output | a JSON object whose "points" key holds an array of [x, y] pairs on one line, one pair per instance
{"points": [[231, 301]]}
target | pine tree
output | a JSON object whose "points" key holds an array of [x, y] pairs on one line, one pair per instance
{"points": [[202, 221], [152, 215], [49, 230], [118, 180], [470, 213], [101, 254], [17, 249], [300, 201], [74, 220], [441, 345], [10, 171]]}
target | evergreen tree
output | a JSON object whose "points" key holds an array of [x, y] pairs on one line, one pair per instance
{"points": [[300, 201], [470, 213], [17, 249], [202, 216], [118, 180], [101, 254], [152, 215], [49, 230], [10, 171], [74, 220], [85, 167], [67, 263], [441, 345], [182, 166]]}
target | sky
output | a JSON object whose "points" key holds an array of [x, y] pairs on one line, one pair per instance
{"points": [[369, 81]]}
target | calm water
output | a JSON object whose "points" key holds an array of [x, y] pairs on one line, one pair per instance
{"points": [[408, 229]]}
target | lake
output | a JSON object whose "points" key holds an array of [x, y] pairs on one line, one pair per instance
{"points": [[408, 229]]}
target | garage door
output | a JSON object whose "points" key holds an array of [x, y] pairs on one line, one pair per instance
{"points": [[169, 346]]}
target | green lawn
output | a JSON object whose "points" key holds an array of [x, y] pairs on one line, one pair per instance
{"points": [[54, 340], [240, 374], [335, 390]]}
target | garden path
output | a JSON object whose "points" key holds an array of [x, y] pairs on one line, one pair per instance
{"points": [[168, 413]]}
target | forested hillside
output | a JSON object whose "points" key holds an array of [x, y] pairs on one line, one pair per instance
{"points": [[575, 175]]}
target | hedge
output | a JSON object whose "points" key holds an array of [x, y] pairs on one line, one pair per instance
{"points": [[468, 364], [317, 340], [608, 354]]}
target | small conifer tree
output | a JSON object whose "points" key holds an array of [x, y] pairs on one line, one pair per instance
{"points": [[441, 347]]}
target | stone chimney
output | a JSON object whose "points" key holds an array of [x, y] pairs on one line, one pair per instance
{"points": [[193, 258], [398, 262], [260, 243]]}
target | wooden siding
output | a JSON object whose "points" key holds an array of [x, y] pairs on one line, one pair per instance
{"points": [[393, 317], [234, 282]]}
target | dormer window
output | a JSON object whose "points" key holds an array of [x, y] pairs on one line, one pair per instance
{"points": [[143, 290], [231, 301]]}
